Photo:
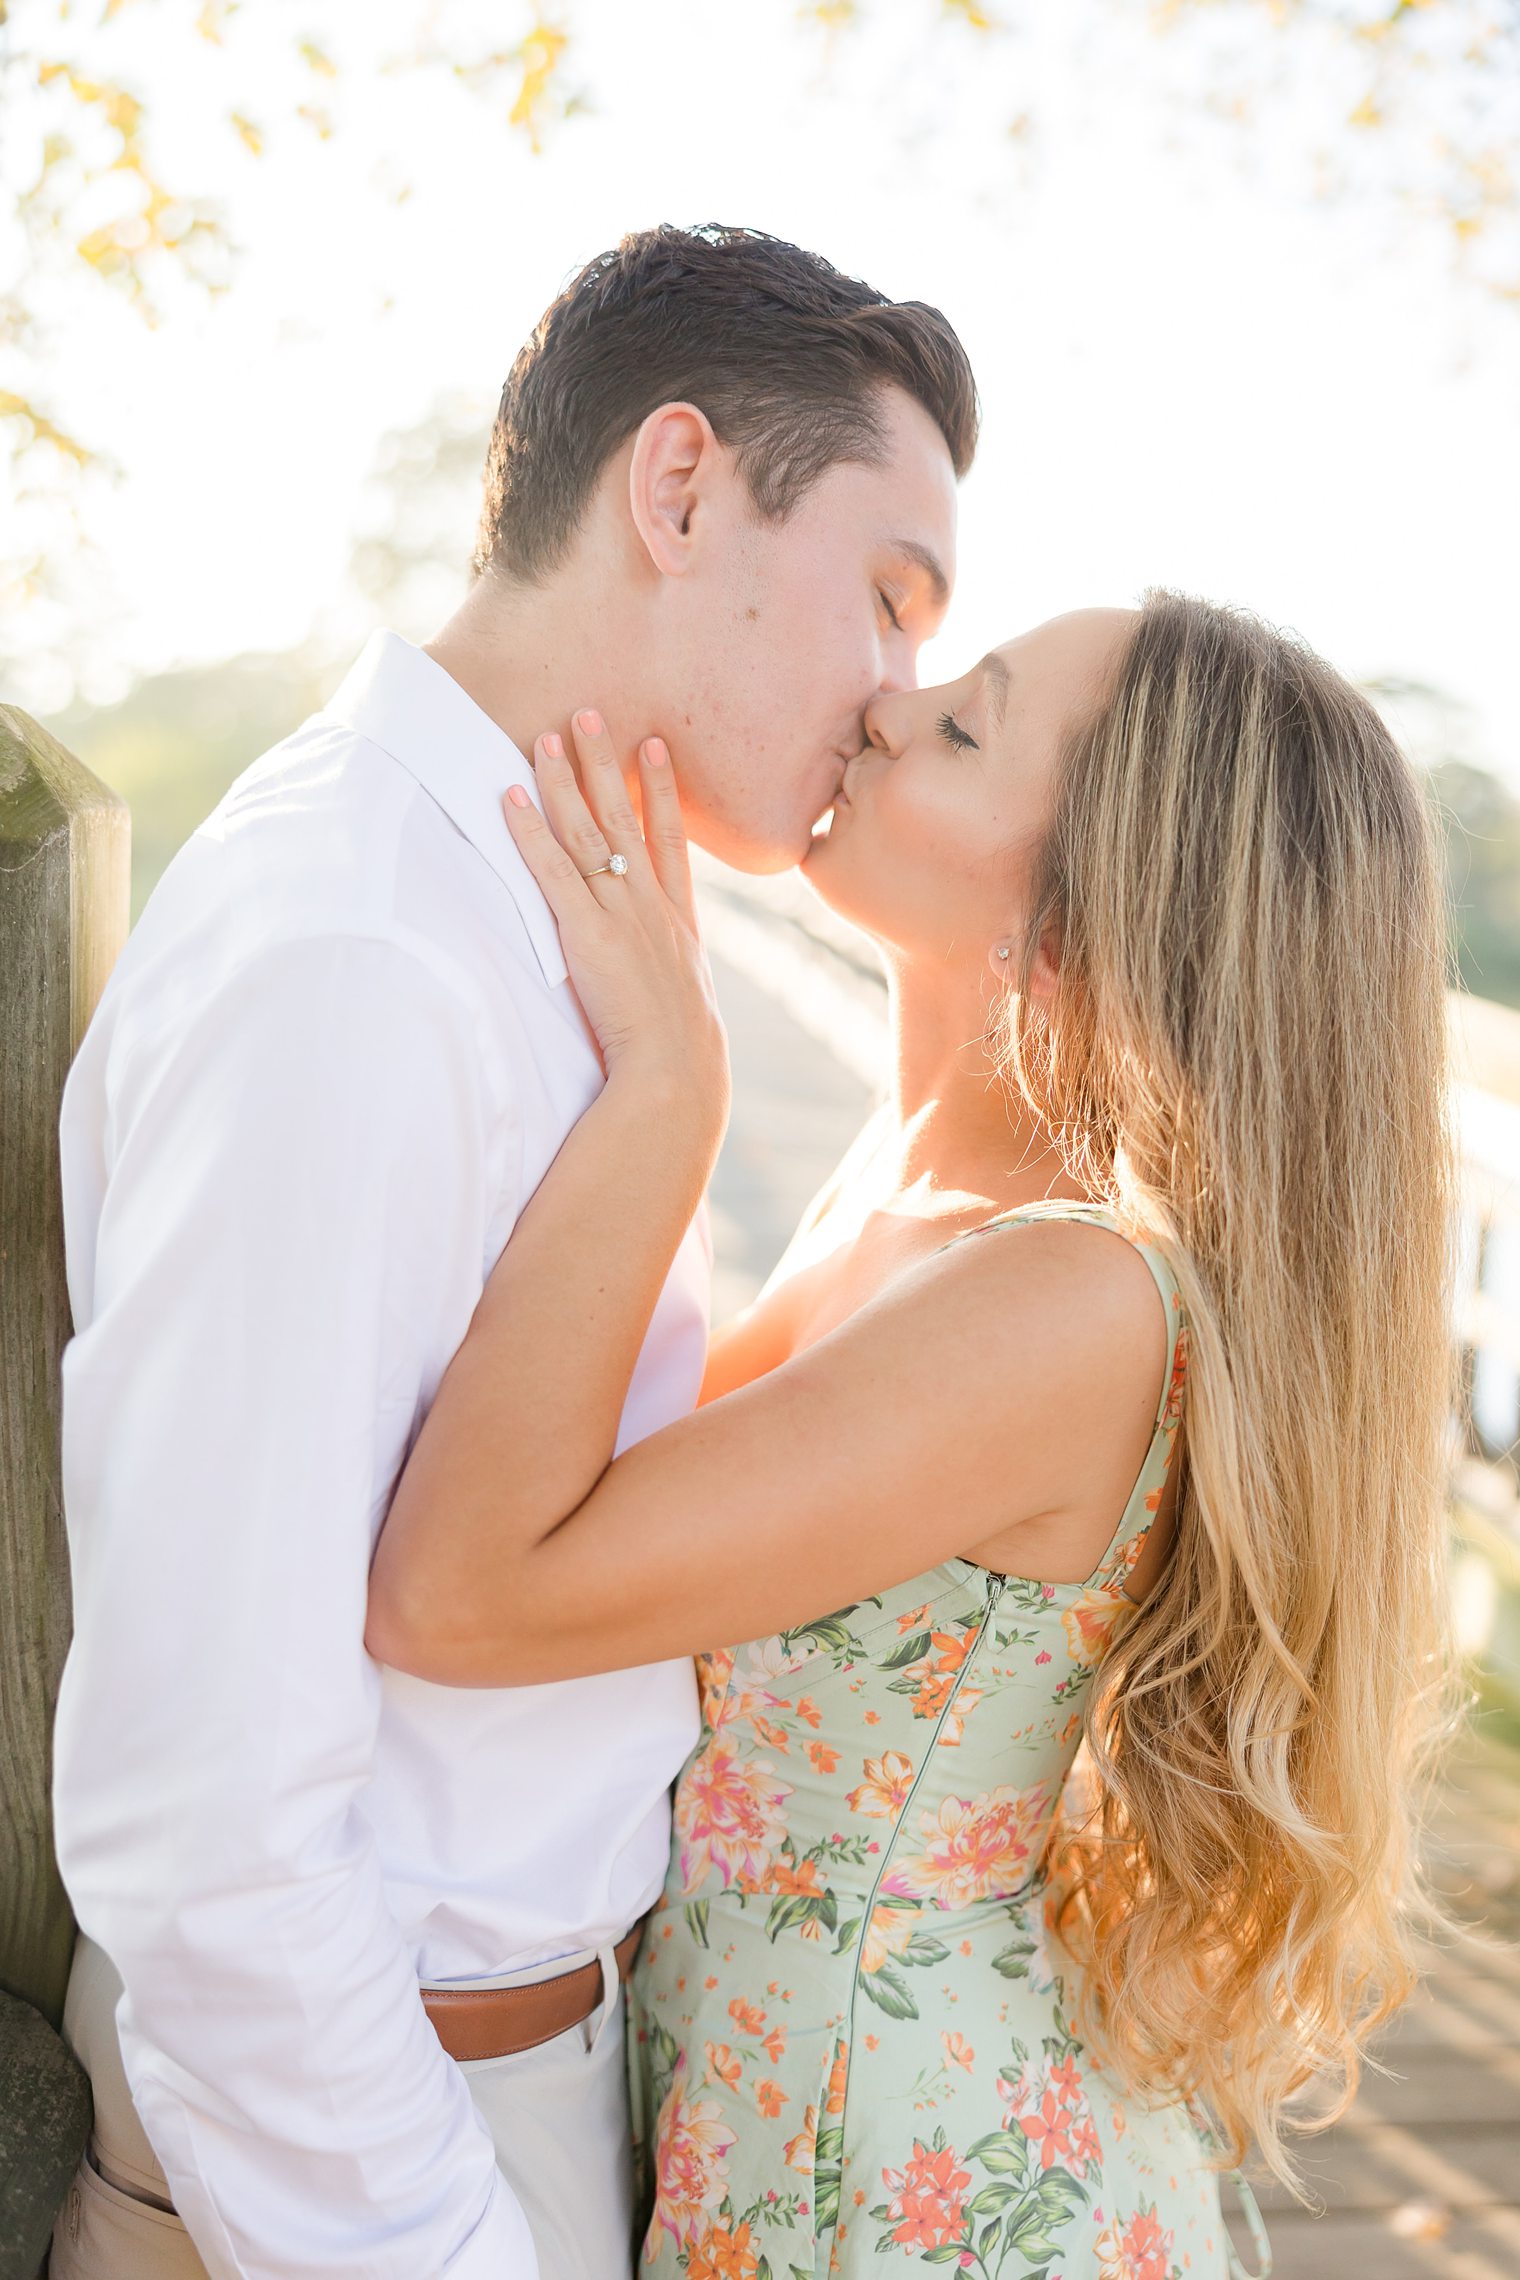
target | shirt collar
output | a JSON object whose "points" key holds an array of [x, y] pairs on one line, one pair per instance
{"points": [[398, 697]]}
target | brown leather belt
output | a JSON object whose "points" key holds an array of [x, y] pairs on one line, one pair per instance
{"points": [[497, 2022]]}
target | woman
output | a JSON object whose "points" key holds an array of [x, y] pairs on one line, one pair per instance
{"points": [[1154, 1465]]}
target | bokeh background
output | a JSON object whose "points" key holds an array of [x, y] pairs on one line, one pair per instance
{"points": [[1241, 283]]}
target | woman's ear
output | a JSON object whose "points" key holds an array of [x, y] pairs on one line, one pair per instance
{"points": [[673, 459], [1045, 973]]}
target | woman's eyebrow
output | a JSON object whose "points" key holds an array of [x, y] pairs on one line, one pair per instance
{"points": [[994, 674]]}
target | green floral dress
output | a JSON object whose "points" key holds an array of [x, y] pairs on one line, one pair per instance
{"points": [[851, 2039]]}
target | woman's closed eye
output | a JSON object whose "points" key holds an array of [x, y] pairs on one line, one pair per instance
{"points": [[956, 736]]}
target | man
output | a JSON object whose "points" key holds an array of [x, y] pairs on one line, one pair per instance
{"points": [[333, 1062]]}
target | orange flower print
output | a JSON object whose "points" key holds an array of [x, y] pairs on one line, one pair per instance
{"points": [[713, 1674], [822, 1758], [724, 2254], [927, 2208], [953, 1730], [729, 1818], [1048, 2129], [792, 1876], [887, 1934], [834, 2099], [1089, 1624], [1173, 1409], [937, 1670], [912, 1621], [770, 2098], [747, 2017], [1053, 2113], [975, 1848], [798, 2152], [691, 2141], [722, 2065], [1140, 2250], [774, 2045], [808, 1711], [958, 2051], [884, 1792]]}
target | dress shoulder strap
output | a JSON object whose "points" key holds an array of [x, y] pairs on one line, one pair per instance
{"points": [[1144, 1500]]}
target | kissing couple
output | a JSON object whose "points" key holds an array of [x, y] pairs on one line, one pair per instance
{"points": [[920, 1777]]}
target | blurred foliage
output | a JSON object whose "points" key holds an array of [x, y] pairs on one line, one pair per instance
{"points": [[1481, 820], [84, 207], [177, 740], [414, 526], [173, 745]]}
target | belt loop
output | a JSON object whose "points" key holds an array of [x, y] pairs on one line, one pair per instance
{"points": [[606, 1956]]}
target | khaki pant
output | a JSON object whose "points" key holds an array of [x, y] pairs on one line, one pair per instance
{"points": [[558, 2117]]}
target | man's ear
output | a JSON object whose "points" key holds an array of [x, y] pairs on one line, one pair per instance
{"points": [[674, 458]]}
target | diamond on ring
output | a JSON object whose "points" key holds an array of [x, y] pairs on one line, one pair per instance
{"points": [[618, 865]]}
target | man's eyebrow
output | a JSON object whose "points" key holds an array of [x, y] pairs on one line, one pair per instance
{"points": [[994, 672], [928, 562]]}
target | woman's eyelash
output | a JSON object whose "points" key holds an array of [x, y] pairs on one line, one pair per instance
{"points": [[953, 733], [886, 604]]}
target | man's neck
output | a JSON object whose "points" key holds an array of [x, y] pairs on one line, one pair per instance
{"points": [[522, 655]]}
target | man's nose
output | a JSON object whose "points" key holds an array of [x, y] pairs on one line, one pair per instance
{"points": [[899, 666]]}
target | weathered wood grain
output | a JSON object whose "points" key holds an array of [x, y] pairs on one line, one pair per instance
{"points": [[64, 844]]}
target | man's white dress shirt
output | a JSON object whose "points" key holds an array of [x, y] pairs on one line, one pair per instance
{"points": [[337, 1055]]}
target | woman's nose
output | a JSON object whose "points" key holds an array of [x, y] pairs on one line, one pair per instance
{"points": [[882, 719]]}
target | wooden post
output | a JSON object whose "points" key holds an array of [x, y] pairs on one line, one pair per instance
{"points": [[64, 899]]}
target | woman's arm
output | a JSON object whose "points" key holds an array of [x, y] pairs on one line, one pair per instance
{"points": [[984, 1389]]}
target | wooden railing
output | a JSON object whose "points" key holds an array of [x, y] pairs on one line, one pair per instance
{"points": [[63, 918]]}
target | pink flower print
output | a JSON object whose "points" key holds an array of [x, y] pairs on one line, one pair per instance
{"points": [[691, 2140], [729, 1818], [975, 1848]]}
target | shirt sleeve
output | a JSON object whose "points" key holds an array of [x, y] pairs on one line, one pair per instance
{"points": [[289, 1248]]}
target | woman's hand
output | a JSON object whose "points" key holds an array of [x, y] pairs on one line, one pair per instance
{"points": [[630, 938]]}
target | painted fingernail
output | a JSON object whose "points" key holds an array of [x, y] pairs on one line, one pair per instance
{"points": [[655, 752], [518, 796], [553, 745], [589, 723]]}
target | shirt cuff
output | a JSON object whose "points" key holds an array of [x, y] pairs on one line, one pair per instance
{"points": [[500, 2247]]}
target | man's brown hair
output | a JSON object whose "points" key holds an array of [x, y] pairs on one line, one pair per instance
{"points": [[787, 357]]}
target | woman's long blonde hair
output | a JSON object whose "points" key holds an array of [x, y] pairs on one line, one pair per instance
{"points": [[1246, 1055]]}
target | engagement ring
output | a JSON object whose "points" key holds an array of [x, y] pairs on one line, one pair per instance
{"points": [[617, 866]]}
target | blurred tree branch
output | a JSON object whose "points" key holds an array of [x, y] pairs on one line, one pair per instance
{"points": [[86, 208], [1415, 107]]}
